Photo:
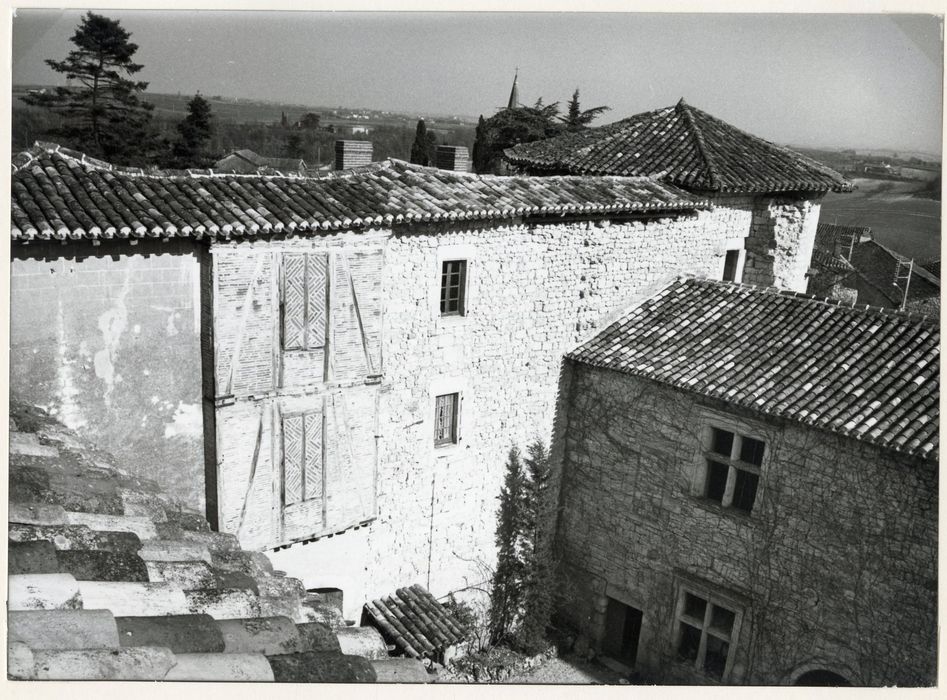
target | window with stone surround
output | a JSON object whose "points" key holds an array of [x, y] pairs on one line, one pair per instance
{"points": [[446, 407], [732, 468], [303, 301], [706, 632], [453, 284]]}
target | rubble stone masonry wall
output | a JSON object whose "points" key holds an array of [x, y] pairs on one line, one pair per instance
{"points": [[781, 237], [533, 291], [835, 568]]}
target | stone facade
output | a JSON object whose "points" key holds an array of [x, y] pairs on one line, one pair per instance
{"points": [[780, 238], [532, 291], [106, 338], [834, 569], [389, 508]]}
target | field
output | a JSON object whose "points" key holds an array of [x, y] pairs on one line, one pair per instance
{"points": [[907, 224]]}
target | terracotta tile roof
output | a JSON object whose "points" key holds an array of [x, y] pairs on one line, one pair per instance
{"points": [[869, 373], [683, 146], [415, 622], [112, 580], [878, 264], [57, 193]]}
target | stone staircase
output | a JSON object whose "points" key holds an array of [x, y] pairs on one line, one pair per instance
{"points": [[112, 579]]}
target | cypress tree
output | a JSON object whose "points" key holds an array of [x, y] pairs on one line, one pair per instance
{"points": [[505, 601], [420, 149], [536, 551]]}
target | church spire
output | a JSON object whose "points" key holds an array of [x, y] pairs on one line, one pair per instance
{"points": [[514, 93]]}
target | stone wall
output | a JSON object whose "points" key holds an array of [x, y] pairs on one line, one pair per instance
{"points": [[106, 338], [834, 569], [781, 237], [533, 291]]}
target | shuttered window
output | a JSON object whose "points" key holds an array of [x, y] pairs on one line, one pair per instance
{"points": [[302, 457], [304, 301], [445, 419]]}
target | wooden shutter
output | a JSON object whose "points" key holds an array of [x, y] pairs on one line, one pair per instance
{"points": [[313, 457], [302, 457], [293, 429], [294, 301], [304, 301], [316, 301]]}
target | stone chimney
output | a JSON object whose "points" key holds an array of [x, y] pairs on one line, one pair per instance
{"points": [[349, 154], [452, 158]]}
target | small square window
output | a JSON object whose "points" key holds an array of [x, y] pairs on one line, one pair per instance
{"points": [[453, 284], [445, 419]]}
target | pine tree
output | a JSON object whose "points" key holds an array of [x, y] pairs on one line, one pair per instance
{"points": [[577, 119], [194, 134], [421, 148], [505, 601], [105, 116]]}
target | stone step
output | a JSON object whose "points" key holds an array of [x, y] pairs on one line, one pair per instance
{"points": [[222, 604], [362, 641], [221, 667], [400, 670], [137, 525], [134, 664], [174, 550], [43, 592], [28, 444], [91, 565], [315, 636], [182, 634], [37, 514], [63, 629], [189, 575], [262, 635], [20, 663], [127, 599], [320, 667], [67, 537], [35, 557]]}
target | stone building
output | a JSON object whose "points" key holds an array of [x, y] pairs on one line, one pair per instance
{"points": [[777, 192], [336, 367], [848, 264], [245, 161], [340, 361], [749, 489]]}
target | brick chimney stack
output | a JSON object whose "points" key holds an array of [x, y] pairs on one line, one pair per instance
{"points": [[453, 158], [349, 154]]}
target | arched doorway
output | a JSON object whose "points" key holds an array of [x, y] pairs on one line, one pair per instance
{"points": [[822, 678]]}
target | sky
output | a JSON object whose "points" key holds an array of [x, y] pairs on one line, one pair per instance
{"points": [[845, 81]]}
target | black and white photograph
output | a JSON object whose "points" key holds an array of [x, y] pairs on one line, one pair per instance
{"points": [[473, 347]]}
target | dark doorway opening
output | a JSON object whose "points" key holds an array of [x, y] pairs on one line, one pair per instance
{"points": [[622, 630], [822, 678]]}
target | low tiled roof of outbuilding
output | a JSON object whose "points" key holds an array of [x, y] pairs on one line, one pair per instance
{"points": [[415, 622], [681, 145], [62, 194], [868, 373], [110, 579]]}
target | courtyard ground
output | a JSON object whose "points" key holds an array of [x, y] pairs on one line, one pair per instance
{"points": [[569, 669]]}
